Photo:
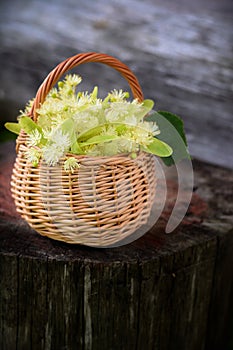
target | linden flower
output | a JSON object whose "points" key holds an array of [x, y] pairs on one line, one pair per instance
{"points": [[141, 136], [67, 87], [83, 98], [73, 79], [58, 146], [84, 121], [60, 139], [120, 111], [71, 164], [34, 138], [47, 133], [53, 93], [117, 124], [127, 145], [52, 154], [109, 130], [131, 120], [118, 96], [81, 123], [27, 108], [117, 111], [152, 128], [33, 155]]}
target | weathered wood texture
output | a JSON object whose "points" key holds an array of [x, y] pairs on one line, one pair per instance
{"points": [[181, 52], [160, 292]]}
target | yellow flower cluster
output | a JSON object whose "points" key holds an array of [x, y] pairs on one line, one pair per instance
{"points": [[82, 123]]}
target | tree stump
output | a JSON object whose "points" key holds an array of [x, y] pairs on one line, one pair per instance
{"points": [[160, 292]]}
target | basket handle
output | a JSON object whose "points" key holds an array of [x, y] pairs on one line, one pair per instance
{"points": [[76, 60]]}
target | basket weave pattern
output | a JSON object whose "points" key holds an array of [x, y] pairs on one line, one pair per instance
{"points": [[100, 203]]}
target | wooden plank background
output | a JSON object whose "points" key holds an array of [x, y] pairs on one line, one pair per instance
{"points": [[181, 52]]}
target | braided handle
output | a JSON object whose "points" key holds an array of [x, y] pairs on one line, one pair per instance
{"points": [[76, 60]]}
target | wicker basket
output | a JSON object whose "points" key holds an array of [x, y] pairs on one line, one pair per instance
{"points": [[103, 203]]}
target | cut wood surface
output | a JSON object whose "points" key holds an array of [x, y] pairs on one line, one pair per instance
{"points": [[160, 292], [181, 52]]}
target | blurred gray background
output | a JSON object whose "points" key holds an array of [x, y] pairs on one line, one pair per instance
{"points": [[181, 52]]}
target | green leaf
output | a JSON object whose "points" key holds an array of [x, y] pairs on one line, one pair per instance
{"points": [[176, 121], [90, 133], [28, 125], [67, 127], [76, 149], [172, 132], [13, 127], [44, 122], [99, 139], [86, 135], [94, 93], [158, 148], [121, 128], [148, 104]]}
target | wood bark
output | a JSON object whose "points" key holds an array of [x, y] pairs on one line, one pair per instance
{"points": [[162, 292]]}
